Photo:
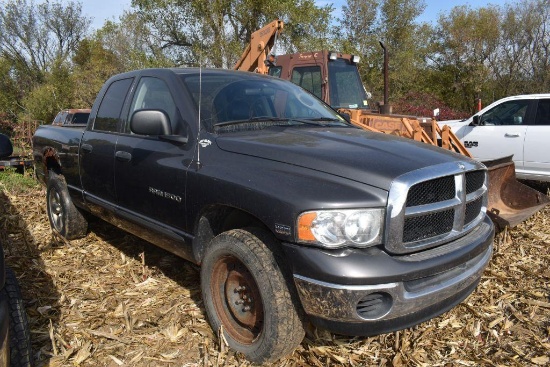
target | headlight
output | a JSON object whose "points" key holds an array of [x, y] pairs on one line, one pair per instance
{"points": [[340, 228]]}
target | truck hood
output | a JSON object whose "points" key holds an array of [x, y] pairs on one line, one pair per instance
{"points": [[371, 158]]}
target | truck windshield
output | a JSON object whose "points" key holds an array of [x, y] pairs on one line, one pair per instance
{"points": [[227, 100], [346, 89]]}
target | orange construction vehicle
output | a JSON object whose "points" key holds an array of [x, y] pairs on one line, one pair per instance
{"points": [[334, 78], [257, 56]]}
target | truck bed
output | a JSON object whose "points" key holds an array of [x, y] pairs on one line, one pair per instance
{"points": [[65, 142]]}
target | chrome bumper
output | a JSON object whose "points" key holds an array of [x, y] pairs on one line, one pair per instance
{"points": [[364, 306]]}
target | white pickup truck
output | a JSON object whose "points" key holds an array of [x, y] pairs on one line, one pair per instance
{"points": [[518, 126]]}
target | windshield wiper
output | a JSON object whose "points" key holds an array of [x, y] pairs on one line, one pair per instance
{"points": [[330, 119], [263, 122], [252, 119]]}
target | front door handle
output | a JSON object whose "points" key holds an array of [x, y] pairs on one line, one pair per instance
{"points": [[123, 156], [509, 135]]}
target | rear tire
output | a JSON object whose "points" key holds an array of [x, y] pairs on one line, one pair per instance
{"points": [[20, 340], [246, 294], [64, 217]]}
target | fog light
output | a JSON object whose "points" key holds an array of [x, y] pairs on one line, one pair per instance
{"points": [[374, 305]]}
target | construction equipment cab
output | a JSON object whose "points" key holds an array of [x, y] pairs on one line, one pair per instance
{"points": [[337, 82]]}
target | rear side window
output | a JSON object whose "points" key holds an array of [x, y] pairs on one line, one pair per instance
{"points": [[80, 118], [543, 112], [60, 118], [109, 111]]}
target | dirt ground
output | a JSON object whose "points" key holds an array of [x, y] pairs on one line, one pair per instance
{"points": [[111, 299]]}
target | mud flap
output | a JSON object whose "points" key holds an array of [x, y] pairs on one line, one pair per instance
{"points": [[510, 202]]}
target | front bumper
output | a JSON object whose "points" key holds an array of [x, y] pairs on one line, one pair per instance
{"points": [[421, 287]]}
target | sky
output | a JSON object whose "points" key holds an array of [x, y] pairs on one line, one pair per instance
{"points": [[102, 10]]}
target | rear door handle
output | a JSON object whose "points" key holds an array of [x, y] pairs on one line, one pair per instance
{"points": [[123, 156], [509, 135], [86, 147]]}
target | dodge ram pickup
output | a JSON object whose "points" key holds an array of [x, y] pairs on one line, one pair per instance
{"points": [[518, 126], [293, 215]]}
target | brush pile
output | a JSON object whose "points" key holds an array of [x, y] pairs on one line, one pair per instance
{"points": [[111, 299]]}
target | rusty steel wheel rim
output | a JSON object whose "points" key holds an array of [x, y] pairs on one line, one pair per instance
{"points": [[236, 298]]}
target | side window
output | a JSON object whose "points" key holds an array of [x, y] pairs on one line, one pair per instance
{"points": [[308, 77], [80, 118], [153, 94], [111, 106], [507, 113], [275, 71], [59, 118], [543, 112]]}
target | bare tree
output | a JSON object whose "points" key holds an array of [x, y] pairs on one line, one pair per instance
{"points": [[34, 37]]}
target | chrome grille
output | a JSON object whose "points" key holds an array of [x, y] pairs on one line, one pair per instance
{"points": [[431, 191], [424, 212], [474, 180], [472, 210], [429, 225]]}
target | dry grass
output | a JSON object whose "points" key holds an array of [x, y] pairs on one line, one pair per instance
{"points": [[111, 299]]}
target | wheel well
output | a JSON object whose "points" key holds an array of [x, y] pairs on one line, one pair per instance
{"points": [[218, 219], [53, 165], [51, 160]]}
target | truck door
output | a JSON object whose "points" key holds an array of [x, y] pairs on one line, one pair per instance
{"points": [[150, 172], [501, 132], [536, 152], [97, 148]]}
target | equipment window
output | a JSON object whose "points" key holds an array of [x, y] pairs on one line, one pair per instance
{"points": [[543, 112], [507, 113], [153, 94], [275, 71], [108, 114], [309, 78]]}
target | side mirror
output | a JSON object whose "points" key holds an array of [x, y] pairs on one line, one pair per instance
{"points": [[476, 120], [150, 122]]}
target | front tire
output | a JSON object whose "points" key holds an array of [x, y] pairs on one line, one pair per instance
{"points": [[245, 294], [64, 217]]}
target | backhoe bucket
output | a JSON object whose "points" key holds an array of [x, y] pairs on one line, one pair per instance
{"points": [[510, 201]]}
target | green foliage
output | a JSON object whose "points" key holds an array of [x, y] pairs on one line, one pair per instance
{"points": [[215, 33], [367, 23], [9, 91], [49, 61], [93, 66], [15, 182], [465, 40], [48, 98], [36, 42]]}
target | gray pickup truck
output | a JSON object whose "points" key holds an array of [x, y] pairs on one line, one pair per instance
{"points": [[293, 214]]}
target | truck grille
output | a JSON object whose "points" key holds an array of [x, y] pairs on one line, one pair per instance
{"points": [[424, 212]]}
